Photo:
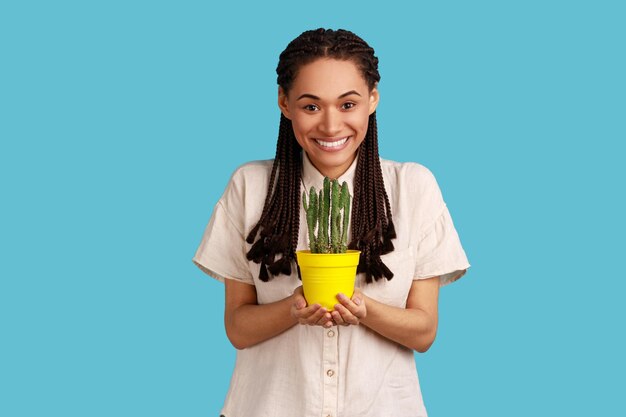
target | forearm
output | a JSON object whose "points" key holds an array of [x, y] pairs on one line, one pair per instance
{"points": [[250, 324], [410, 327]]}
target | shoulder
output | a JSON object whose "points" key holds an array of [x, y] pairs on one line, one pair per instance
{"points": [[408, 176], [252, 169], [248, 182], [251, 174], [413, 193]]}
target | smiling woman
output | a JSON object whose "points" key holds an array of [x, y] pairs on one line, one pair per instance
{"points": [[295, 359], [329, 122]]}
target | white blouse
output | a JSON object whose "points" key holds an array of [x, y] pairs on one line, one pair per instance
{"points": [[310, 371]]}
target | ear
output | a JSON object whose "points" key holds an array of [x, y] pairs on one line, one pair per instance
{"points": [[283, 103], [374, 99]]}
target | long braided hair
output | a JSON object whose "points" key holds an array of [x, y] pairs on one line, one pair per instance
{"points": [[276, 232]]}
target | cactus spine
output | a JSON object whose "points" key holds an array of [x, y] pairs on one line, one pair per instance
{"points": [[329, 211]]}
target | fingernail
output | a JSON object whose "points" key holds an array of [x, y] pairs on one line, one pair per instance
{"points": [[357, 301], [300, 304]]}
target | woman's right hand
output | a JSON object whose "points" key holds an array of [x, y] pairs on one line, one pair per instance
{"points": [[314, 315]]}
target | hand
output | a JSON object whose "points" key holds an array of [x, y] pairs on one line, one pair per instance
{"points": [[314, 315], [350, 311]]}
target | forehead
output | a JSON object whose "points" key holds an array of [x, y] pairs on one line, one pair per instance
{"points": [[329, 78]]}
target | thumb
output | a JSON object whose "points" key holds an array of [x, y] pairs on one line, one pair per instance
{"points": [[300, 302]]}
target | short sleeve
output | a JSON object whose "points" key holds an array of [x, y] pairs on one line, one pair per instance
{"points": [[439, 252], [438, 247], [222, 251]]}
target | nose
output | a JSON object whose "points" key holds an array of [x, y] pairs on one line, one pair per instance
{"points": [[331, 123]]}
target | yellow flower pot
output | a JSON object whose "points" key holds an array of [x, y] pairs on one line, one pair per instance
{"points": [[324, 275]]}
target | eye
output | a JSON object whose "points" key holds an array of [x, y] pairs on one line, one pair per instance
{"points": [[310, 107], [348, 105]]}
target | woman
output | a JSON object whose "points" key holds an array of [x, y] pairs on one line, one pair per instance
{"points": [[295, 359]]}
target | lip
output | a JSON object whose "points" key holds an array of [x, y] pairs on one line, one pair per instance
{"points": [[332, 140]]}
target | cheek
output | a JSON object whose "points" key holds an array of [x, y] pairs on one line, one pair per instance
{"points": [[298, 122], [359, 121], [300, 129], [302, 125]]}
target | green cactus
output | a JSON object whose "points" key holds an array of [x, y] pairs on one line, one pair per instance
{"points": [[330, 209], [311, 216], [324, 213], [335, 214], [345, 200]]}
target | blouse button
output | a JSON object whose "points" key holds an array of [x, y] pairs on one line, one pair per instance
{"points": [[330, 372], [331, 333]]}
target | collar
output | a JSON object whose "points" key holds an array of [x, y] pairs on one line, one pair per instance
{"points": [[311, 177]]}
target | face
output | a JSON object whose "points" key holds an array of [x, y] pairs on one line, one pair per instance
{"points": [[329, 105]]}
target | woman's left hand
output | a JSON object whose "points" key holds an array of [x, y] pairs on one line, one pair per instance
{"points": [[350, 310]]}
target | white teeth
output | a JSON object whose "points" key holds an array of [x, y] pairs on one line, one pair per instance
{"points": [[331, 144]]}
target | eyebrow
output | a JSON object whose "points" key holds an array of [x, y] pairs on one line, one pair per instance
{"points": [[317, 98]]}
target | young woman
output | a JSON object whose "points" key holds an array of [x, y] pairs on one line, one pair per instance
{"points": [[299, 360]]}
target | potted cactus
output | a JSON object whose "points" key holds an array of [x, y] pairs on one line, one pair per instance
{"points": [[328, 267]]}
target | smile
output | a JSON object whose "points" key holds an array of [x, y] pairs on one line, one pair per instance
{"points": [[333, 144]]}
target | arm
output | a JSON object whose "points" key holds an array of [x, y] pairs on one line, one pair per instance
{"points": [[414, 326], [248, 323]]}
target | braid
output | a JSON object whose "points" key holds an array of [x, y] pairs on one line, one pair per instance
{"points": [[277, 230], [372, 225]]}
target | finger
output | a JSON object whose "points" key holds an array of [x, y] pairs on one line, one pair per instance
{"points": [[337, 317], [348, 303], [299, 290], [299, 302], [313, 318], [305, 314], [346, 315], [325, 319]]}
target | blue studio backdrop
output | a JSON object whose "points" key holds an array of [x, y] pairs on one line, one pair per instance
{"points": [[121, 122]]}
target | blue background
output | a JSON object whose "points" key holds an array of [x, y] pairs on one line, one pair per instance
{"points": [[121, 122]]}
